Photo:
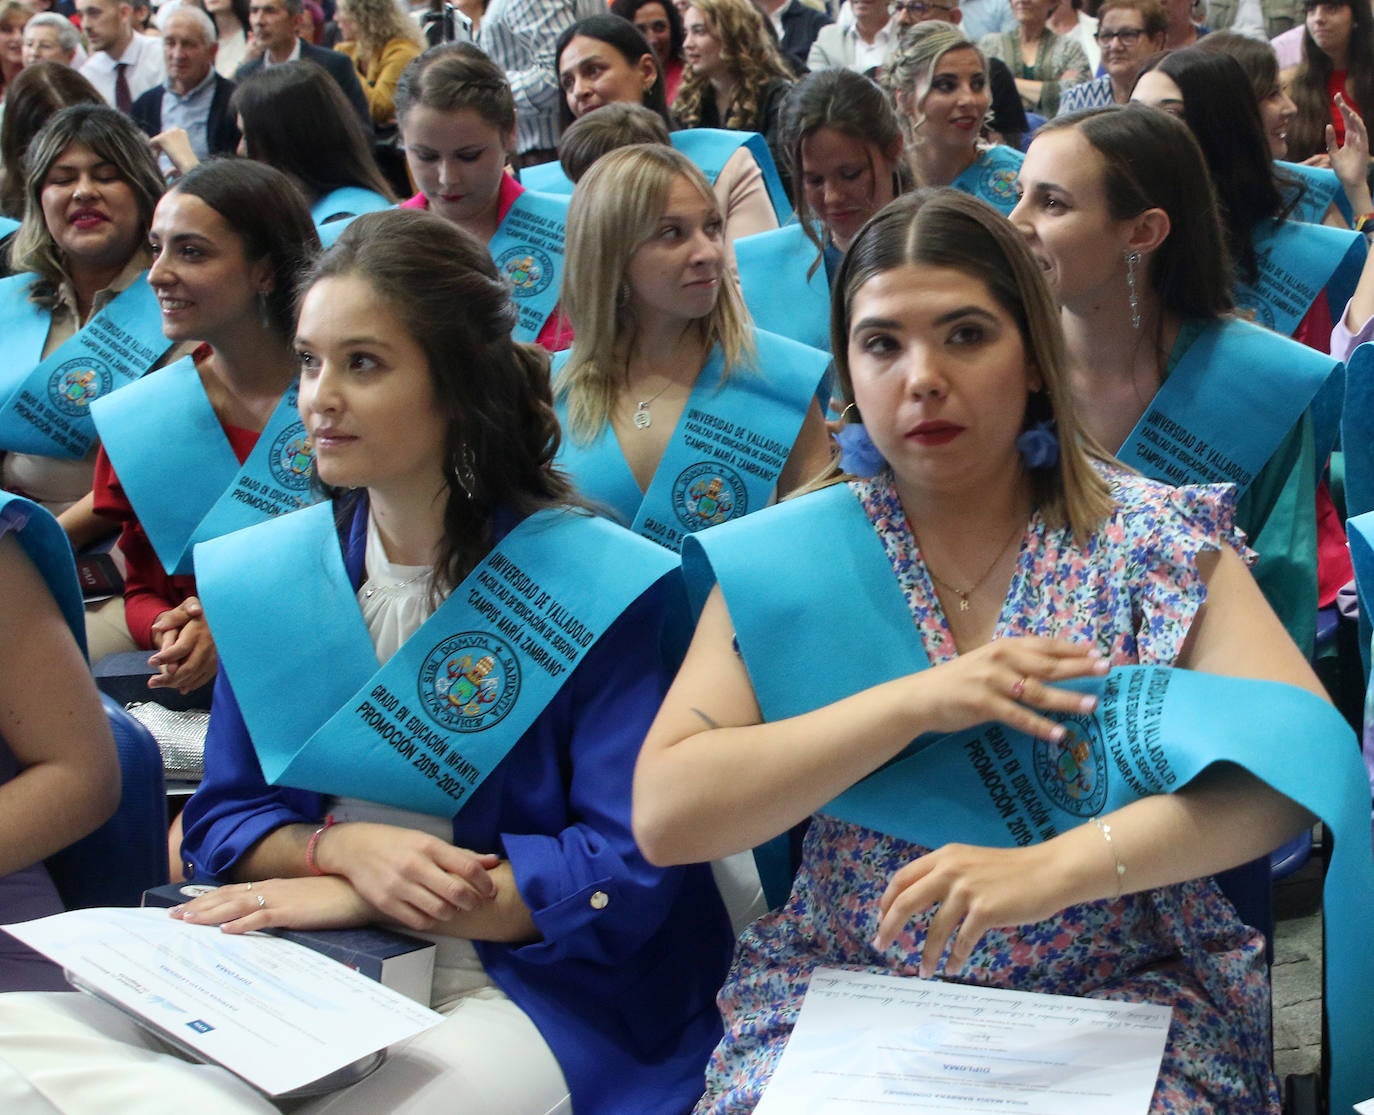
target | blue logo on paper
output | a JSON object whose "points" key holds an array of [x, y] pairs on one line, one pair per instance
{"points": [[1073, 771], [469, 681], [291, 457], [529, 269], [707, 494], [997, 183], [77, 383], [200, 1026]]}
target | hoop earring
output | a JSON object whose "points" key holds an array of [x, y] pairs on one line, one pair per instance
{"points": [[850, 415], [1133, 258]]}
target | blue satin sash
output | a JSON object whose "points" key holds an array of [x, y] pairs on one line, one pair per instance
{"points": [[1296, 262], [47, 547], [424, 730], [992, 178], [725, 454], [785, 286], [1227, 405], [337, 209], [711, 148], [1154, 731], [528, 250], [47, 408], [213, 494], [1320, 188]]}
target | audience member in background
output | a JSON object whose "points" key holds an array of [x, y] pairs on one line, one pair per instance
{"points": [[1259, 21], [1008, 119], [606, 129], [984, 17], [661, 25], [1337, 57], [1182, 30], [1042, 61], [123, 64], [39, 91], [1070, 21], [604, 60], [735, 76], [312, 26], [194, 98], [59, 773], [381, 40], [1128, 32], [231, 27], [51, 38], [863, 43], [13, 17], [519, 36], [275, 42], [795, 27]]}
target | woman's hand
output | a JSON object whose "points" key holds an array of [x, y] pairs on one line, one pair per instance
{"points": [[1349, 160], [327, 902], [1006, 680], [411, 878], [976, 889], [176, 145], [186, 657]]}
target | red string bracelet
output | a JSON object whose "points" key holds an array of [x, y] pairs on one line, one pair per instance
{"points": [[310, 847]]}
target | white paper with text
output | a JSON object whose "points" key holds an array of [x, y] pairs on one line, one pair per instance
{"points": [[895, 1044]]}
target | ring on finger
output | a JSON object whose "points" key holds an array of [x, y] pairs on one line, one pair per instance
{"points": [[1018, 687], [262, 902]]}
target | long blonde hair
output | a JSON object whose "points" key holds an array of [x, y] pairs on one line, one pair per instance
{"points": [[616, 208], [911, 69], [747, 50]]}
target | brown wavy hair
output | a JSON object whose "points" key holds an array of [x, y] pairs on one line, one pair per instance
{"points": [[502, 431], [747, 49]]}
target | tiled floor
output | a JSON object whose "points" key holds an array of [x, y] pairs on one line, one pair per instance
{"points": [[1297, 972]]}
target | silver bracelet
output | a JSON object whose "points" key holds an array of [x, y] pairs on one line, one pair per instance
{"points": [[1106, 831]]}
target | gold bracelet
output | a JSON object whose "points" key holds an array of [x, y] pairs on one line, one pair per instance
{"points": [[1106, 831]]}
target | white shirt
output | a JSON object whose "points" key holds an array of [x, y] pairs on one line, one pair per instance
{"points": [[1250, 21], [143, 56]]}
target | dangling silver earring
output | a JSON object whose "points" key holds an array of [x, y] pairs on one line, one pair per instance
{"points": [[622, 297], [1132, 258], [465, 474]]}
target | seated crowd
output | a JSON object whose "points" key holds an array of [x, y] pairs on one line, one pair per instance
{"points": [[500, 357]]}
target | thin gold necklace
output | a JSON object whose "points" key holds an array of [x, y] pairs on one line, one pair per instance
{"points": [[964, 593]]}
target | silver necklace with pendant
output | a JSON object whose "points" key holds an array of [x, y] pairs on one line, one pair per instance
{"points": [[641, 418]]}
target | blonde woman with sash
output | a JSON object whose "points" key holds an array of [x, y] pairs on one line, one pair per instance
{"points": [[456, 114], [228, 242], [844, 146], [573, 976], [90, 189], [1118, 209], [1004, 597], [678, 414], [939, 83]]}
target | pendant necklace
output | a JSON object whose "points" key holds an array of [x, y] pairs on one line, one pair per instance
{"points": [[641, 417], [964, 593], [374, 588]]}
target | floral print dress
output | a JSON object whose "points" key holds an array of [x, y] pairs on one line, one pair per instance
{"points": [[1132, 589]]}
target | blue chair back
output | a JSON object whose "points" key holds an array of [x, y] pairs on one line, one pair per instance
{"points": [[114, 865]]}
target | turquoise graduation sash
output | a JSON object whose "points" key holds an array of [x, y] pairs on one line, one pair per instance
{"points": [[426, 729], [992, 178], [547, 178], [528, 250], [48, 408], [723, 458], [1320, 187], [782, 297], [1155, 729], [1226, 406], [711, 148], [8, 225], [1359, 530], [213, 494], [337, 209], [1357, 444], [1296, 262], [47, 547]]}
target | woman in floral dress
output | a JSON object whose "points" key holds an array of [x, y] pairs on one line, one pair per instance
{"points": [[1025, 557]]}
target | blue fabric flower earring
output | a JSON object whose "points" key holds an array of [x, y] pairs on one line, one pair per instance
{"points": [[1039, 446]]}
